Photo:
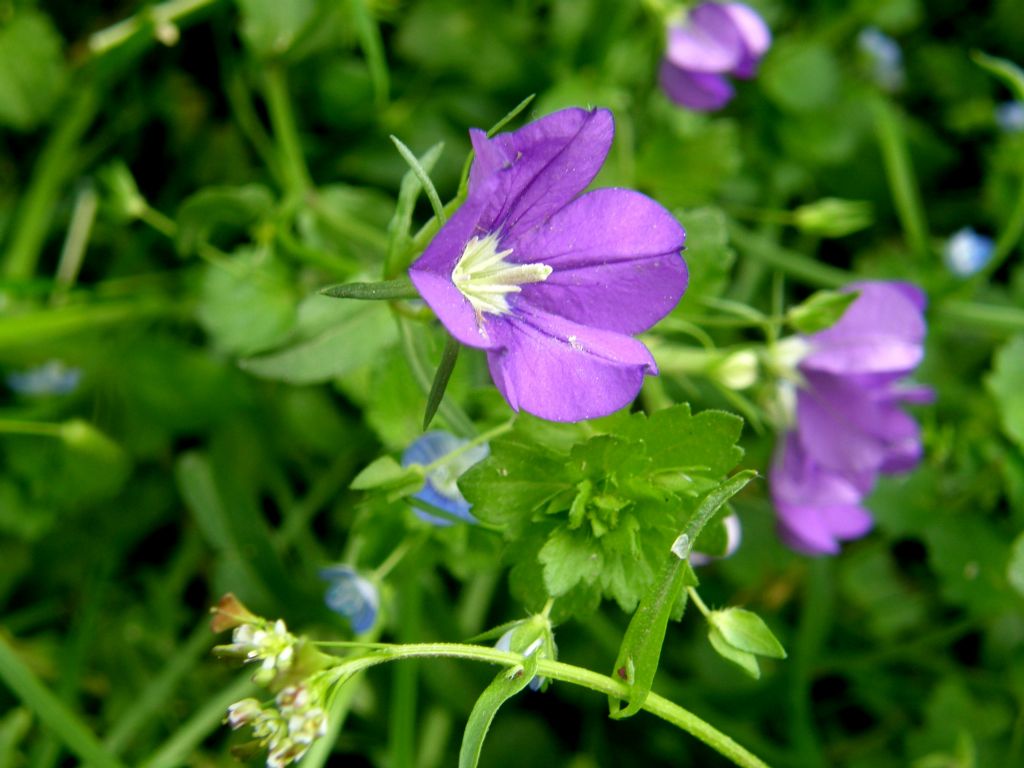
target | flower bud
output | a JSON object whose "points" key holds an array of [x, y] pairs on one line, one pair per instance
{"points": [[833, 217], [230, 613], [967, 252]]}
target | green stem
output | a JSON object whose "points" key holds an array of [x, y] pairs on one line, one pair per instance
{"points": [[992, 318], [49, 178], [480, 439], [51, 711], [815, 619], [1009, 237], [405, 682], [556, 670], [282, 120], [893, 144], [152, 17], [695, 599], [39, 428]]}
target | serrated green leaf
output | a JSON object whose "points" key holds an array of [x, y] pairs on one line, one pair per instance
{"points": [[335, 339], [745, 660], [569, 558], [1006, 383], [746, 631], [507, 684], [820, 310]]}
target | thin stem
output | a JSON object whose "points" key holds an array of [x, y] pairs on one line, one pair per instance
{"points": [[396, 556], [162, 223], [79, 231], [794, 264], [1009, 237], [555, 670], [282, 119], [993, 318], [480, 439], [38, 428], [892, 141], [156, 16], [695, 598], [49, 177]]}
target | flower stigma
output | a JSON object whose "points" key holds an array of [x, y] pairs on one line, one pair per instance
{"points": [[484, 277]]}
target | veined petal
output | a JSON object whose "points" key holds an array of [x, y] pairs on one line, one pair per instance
{"points": [[543, 166], [562, 371], [615, 261], [707, 41], [695, 90]]}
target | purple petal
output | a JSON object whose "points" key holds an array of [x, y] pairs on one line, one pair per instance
{"points": [[562, 371], [754, 34], [707, 41], [882, 332], [694, 90], [544, 165], [816, 507], [616, 262], [431, 273]]}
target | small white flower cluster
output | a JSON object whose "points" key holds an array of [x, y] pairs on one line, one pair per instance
{"points": [[271, 644], [287, 730]]}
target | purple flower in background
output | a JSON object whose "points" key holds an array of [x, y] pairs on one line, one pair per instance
{"points": [[967, 252], [712, 41], [551, 283], [850, 424], [352, 596], [441, 488]]}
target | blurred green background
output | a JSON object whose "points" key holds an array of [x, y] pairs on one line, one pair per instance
{"points": [[176, 182]]}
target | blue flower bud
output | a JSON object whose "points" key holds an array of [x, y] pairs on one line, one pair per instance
{"points": [[1010, 116], [967, 252], [884, 58], [441, 488], [351, 596], [50, 378]]}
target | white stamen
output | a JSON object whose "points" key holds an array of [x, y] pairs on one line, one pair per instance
{"points": [[484, 277]]}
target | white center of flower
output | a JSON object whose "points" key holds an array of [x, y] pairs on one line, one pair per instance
{"points": [[484, 276]]}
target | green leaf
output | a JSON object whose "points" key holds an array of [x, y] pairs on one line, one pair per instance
{"points": [[220, 210], [507, 684], [746, 631], [247, 304], [32, 70], [421, 175], [1006, 383], [746, 660], [820, 310], [1007, 71], [637, 661], [704, 444], [569, 558], [335, 338], [640, 651], [401, 223]]}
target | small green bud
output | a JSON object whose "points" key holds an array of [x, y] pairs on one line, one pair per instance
{"points": [[737, 370], [833, 217], [121, 193]]}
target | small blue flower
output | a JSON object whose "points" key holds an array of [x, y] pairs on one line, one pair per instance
{"points": [[50, 378], [351, 596], [884, 57], [967, 252], [441, 488], [1010, 116]]}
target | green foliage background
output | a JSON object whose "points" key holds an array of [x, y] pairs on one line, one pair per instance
{"points": [[176, 187]]}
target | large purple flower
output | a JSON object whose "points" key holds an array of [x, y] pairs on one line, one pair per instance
{"points": [[850, 426], [712, 41], [551, 283]]}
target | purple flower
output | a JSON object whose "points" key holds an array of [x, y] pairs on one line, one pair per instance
{"points": [[712, 41], [441, 488], [352, 596], [850, 425], [967, 252], [551, 283]]}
